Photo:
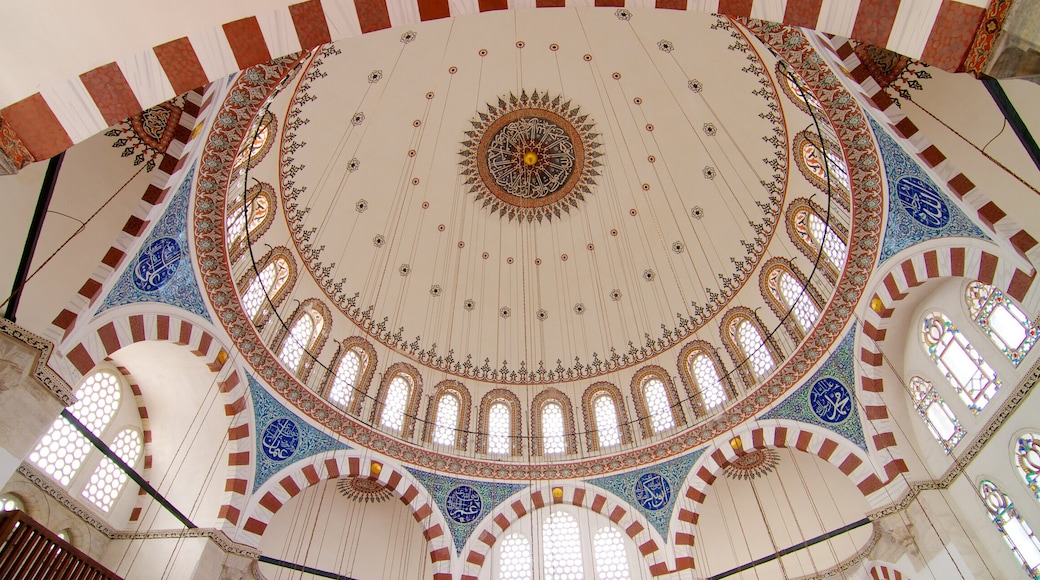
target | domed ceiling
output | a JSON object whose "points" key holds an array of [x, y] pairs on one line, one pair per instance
{"points": [[532, 197], [652, 191]]}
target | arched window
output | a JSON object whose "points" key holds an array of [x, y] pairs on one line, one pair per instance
{"points": [[1006, 325], [561, 546], [656, 401], [941, 421], [397, 401], [810, 232], [800, 94], [10, 502], [257, 141], [1027, 459], [498, 431], [552, 429], [447, 417], [1017, 533], [745, 338], [63, 448], [272, 282], [606, 419], [552, 424], [816, 157], [308, 328], [793, 301], [514, 557], [608, 549], [254, 216], [974, 380], [701, 370], [108, 479], [352, 368]]}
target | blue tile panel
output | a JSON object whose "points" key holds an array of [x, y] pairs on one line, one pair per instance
{"points": [[828, 398], [463, 502], [162, 270], [282, 438], [652, 490], [917, 209]]}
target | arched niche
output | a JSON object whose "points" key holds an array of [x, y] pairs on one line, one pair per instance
{"points": [[336, 526], [800, 497]]}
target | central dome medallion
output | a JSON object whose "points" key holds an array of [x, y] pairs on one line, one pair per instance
{"points": [[530, 157]]}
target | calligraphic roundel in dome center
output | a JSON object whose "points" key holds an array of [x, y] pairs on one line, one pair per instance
{"points": [[503, 194]]}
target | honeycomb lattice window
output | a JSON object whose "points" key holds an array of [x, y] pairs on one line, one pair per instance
{"points": [[795, 297], [708, 381], [553, 441], [62, 449], [561, 548], [754, 348], [607, 430], [608, 548], [499, 429], [447, 420], [344, 383], [267, 283], [108, 479], [514, 557], [658, 407], [397, 395]]}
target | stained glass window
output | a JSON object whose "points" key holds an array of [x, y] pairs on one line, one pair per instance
{"points": [[1027, 458], [608, 548], [267, 283], [345, 380], [658, 407], [1017, 533], [499, 428], [753, 347], [447, 419], [108, 479], [819, 163], [974, 380], [1006, 325], [941, 421], [561, 545], [814, 232], [786, 289], [63, 448], [257, 141], [396, 403], [709, 383], [552, 429], [607, 432], [258, 210], [514, 558]]}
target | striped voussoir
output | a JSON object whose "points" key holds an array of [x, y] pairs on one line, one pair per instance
{"points": [[146, 438], [289, 482], [149, 208], [50, 121], [848, 458], [496, 526], [885, 572], [1000, 224]]}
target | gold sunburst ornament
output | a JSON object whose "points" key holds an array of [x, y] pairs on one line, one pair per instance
{"points": [[531, 157]]}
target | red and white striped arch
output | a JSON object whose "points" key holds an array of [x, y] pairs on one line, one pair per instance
{"points": [[56, 117], [288, 483], [495, 526], [886, 572], [146, 438], [825, 444]]}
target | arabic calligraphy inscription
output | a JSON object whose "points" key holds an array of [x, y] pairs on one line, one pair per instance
{"points": [[923, 202], [157, 264], [281, 438], [830, 400], [653, 491], [463, 504]]}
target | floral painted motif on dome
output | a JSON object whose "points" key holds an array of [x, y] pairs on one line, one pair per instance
{"points": [[146, 135], [531, 157], [752, 465]]}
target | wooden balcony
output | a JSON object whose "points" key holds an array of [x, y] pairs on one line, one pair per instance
{"points": [[28, 551]]}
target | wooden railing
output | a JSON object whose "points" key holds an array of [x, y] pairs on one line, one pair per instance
{"points": [[28, 551]]}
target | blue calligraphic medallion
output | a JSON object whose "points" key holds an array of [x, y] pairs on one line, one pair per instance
{"points": [[653, 491], [830, 400], [923, 202], [156, 265], [280, 439], [463, 504]]}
